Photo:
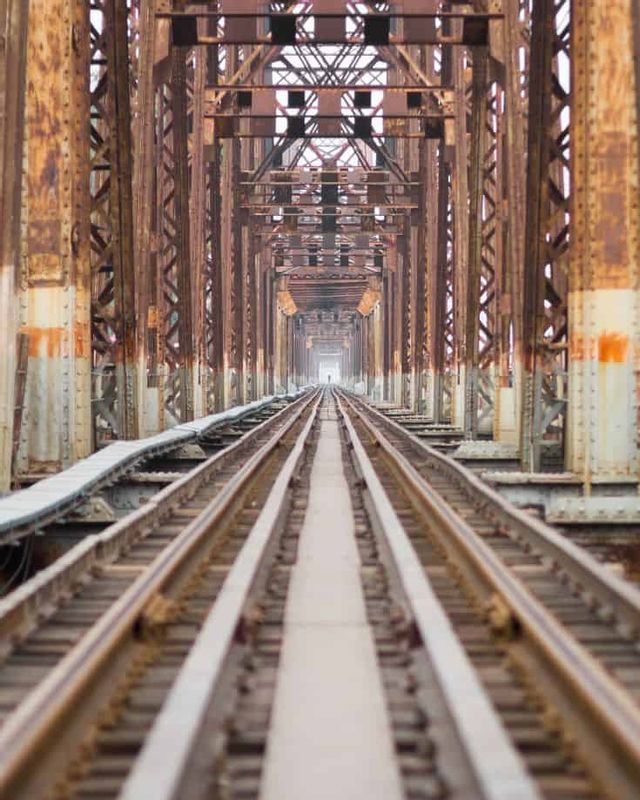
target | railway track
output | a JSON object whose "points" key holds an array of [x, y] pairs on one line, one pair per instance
{"points": [[40, 523], [149, 663], [93, 618], [566, 627]]}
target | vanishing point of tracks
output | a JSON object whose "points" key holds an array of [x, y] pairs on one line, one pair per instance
{"points": [[146, 664]]}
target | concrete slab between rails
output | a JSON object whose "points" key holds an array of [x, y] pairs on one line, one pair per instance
{"points": [[330, 734]]}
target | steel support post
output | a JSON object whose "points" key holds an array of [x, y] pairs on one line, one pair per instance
{"points": [[404, 394], [472, 328], [55, 271], [149, 392], [198, 219], [389, 333], [183, 398], [442, 285], [458, 232], [237, 270], [113, 302], [604, 259], [508, 400], [426, 260], [230, 259], [544, 308], [175, 322], [13, 41]]}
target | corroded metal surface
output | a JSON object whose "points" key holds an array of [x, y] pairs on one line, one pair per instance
{"points": [[327, 145]]}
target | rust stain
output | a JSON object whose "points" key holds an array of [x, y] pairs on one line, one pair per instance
{"points": [[44, 237], [82, 342], [578, 347], [44, 341], [613, 347]]}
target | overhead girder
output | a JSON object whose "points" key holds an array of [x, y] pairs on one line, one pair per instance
{"points": [[244, 174]]}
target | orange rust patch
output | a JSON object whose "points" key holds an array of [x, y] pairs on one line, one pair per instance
{"points": [[581, 347], [82, 342], [613, 347], [44, 341]]}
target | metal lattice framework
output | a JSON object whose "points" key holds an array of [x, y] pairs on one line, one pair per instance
{"points": [[547, 233], [271, 184]]}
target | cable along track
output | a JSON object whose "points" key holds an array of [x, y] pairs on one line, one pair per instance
{"points": [[79, 636], [122, 475], [568, 628]]}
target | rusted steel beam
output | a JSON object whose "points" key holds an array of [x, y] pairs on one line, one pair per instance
{"points": [[22, 363], [458, 231], [544, 315], [604, 258], [175, 354], [54, 276], [476, 156], [13, 48], [149, 390], [184, 305], [441, 287], [237, 256], [508, 397], [114, 340], [198, 220]]}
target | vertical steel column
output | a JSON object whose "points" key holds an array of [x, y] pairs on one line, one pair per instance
{"points": [[150, 411], [508, 401], [544, 315], [442, 284], [458, 233], [472, 328], [54, 279], [604, 259], [13, 41], [175, 303], [198, 219], [184, 402], [113, 340]]}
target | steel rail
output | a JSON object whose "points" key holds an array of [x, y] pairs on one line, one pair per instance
{"points": [[603, 719], [498, 768], [164, 759], [31, 509], [19, 610], [616, 597], [41, 715]]}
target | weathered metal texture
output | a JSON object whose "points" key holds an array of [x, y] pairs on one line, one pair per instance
{"points": [[54, 288], [22, 363], [458, 233], [508, 395], [113, 312], [198, 220], [474, 282], [604, 272], [544, 316], [149, 389], [13, 41], [174, 256], [442, 287]]}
